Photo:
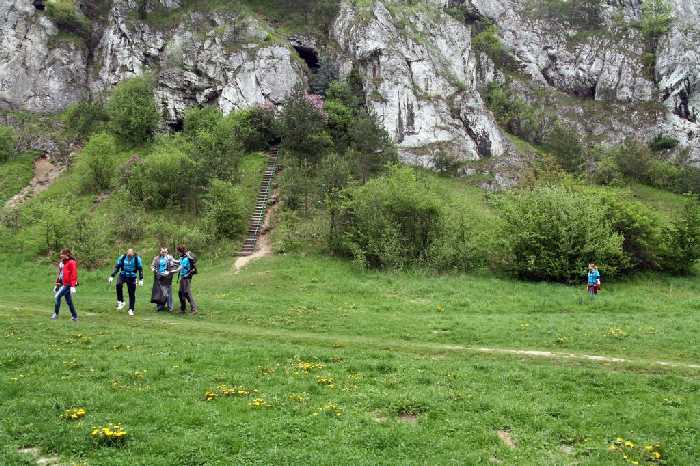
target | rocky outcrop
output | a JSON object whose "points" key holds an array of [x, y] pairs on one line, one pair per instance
{"points": [[678, 70], [604, 62], [419, 74], [39, 72], [220, 59]]}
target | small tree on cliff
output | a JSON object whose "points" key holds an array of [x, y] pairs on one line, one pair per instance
{"points": [[132, 111]]}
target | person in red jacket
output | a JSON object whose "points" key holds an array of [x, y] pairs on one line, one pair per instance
{"points": [[66, 282]]}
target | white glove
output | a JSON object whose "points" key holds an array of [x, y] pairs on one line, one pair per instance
{"points": [[140, 282], [110, 279], [72, 290]]}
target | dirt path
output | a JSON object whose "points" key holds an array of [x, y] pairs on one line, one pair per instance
{"points": [[45, 173], [263, 247]]}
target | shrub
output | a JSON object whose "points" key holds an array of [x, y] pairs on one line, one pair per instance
{"points": [[552, 232], [166, 178], [662, 142], [563, 143], [487, 41], [7, 144], [456, 248], [132, 111], [392, 221], [606, 171], [66, 16], [657, 16], [97, 163], [225, 210], [682, 242], [664, 175], [255, 128], [84, 118], [218, 150], [634, 160], [201, 119], [447, 164], [638, 228]]}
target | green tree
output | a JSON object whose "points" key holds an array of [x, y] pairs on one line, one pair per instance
{"points": [[97, 163], [657, 17], [84, 118], [132, 111], [303, 130], [225, 210]]}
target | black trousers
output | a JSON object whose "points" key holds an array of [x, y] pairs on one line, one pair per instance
{"points": [[131, 288]]}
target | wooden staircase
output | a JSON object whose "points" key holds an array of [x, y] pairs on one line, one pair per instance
{"points": [[257, 220]]}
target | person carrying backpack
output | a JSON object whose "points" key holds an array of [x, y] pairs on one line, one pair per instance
{"points": [[65, 285], [162, 267], [187, 269], [129, 266]]}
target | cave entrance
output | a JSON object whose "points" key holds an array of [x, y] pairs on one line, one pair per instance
{"points": [[39, 5], [310, 56], [177, 126]]}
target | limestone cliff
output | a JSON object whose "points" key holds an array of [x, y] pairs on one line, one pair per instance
{"points": [[421, 72]]}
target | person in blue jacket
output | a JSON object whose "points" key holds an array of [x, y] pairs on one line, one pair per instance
{"points": [[129, 266], [593, 280], [187, 269]]}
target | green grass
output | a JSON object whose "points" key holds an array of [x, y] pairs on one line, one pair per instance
{"points": [[16, 174], [393, 343]]}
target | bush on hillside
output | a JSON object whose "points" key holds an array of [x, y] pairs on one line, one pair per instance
{"points": [[66, 16], [390, 222], [563, 143], [682, 242], [166, 178], [7, 144], [218, 150], [638, 227], [200, 119], [84, 118], [225, 209], [657, 17], [552, 232], [457, 248], [97, 163], [662, 142], [257, 129], [634, 160], [132, 111]]}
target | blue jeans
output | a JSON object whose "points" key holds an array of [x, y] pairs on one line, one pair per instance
{"points": [[64, 292]]}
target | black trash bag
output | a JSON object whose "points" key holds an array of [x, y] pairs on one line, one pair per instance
{"points": [[157, 294]]}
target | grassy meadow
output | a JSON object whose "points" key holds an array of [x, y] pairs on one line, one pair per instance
{"points": [[337, 365]]}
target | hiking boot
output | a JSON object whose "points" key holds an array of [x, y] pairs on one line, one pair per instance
{"points": [[194, 312], [54, 316], [131, 313], [74, 319], [120, 305]]}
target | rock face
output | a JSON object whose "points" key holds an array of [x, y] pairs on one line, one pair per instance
{"points": [[420, 79], [38, 72], [608, 65], [220, 59], [420, 70]]}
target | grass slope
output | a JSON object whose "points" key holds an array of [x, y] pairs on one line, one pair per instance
{"points": [[386, 344], [16, 174]]}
